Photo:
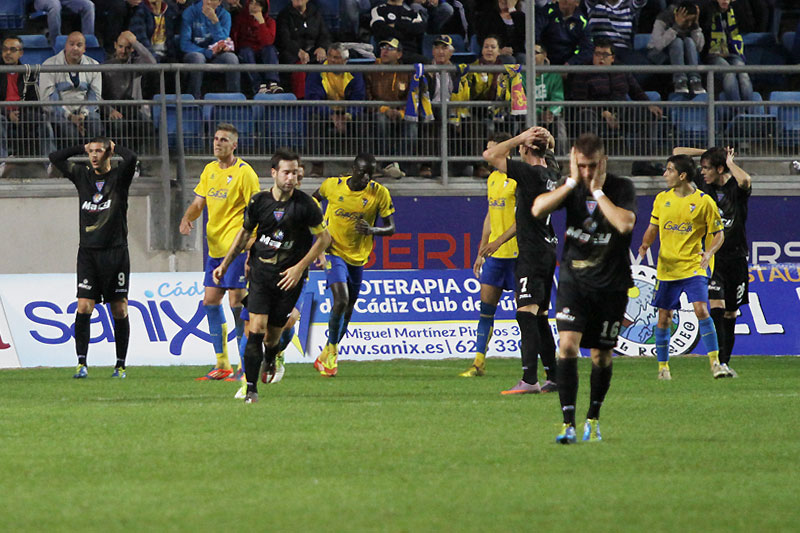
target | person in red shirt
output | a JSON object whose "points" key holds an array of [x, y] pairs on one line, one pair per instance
{"points": [[253, 34]]}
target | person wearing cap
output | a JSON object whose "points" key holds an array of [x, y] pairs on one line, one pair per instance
{"points": [[396, 20], [390, 121]]}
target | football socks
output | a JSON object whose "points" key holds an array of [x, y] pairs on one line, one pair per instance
{"points": [[218, 329], [662, 345], [485, 325], [568, 387], [82, 336], [547, 347], [253, 355], [709, 336], [122, 334], [729, 325], [529, 346], [600, 381]]}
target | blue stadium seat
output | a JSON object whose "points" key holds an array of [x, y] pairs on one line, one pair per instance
{"points": [[787, 41], [276, 6], [35, 56], [758, 39], [240, 116], [192, 121], [737, 125], [788, 117], [34, 41], [691, 123], [474, 45], [640, 41], [278, 125], [12, 14]]}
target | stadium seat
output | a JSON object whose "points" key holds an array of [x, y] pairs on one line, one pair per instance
{"points": [[192, 123], [35, 56], [474, 45], [745, 126], [787, 41], [279, 125], [691, 123], [240, 116], [34, 41], [758, 39], [788, 118], [12, 15]]}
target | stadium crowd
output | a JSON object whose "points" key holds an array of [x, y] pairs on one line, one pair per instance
{"points": [[465, 33]]}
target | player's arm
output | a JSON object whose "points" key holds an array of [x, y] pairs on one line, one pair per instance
{"points": [[60, 159], [742, 178], [192, 213], [127, 168], [716, 244], [387, 230], [686, 150], [291, 276], [239, 243], [491, 247], [496, 155], [648, 239], [481, 258]]}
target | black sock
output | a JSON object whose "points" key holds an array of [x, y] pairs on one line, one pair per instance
{"points": [[729, 325], [270, 353], [122, 333], [547, 347], [238, 323], [253, 355], [529, 346], [717, 315], [82, 336], [600, 381], [567, 379]]}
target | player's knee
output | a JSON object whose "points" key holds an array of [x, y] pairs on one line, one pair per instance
{"points": [[729, 314], [119, 309], [85, 306], [339, 306]]}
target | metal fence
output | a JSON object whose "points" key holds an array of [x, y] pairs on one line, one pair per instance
{"points": [[171, 129]]}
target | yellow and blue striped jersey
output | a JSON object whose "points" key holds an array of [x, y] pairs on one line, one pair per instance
{"points": [[345, 206], [502, 208], [684, 224], [227, 193]]}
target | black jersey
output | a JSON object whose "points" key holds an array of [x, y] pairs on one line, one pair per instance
{"points": [[284, 229], [534, 236], [103, 198], [596, 255], [732, 202]]}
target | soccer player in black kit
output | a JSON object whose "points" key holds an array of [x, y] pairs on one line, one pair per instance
{"points": [[730, 187], [595, 275], [103, 262], [536, 262], [287, 220]]}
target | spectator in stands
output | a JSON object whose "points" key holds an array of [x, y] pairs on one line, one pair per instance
{"points": [[550, 87], [79, 117], [84, 8], [253, 36], [126, 122], [153, 24], [396, 20], [303, 38], [678, 39], [20, 124], [561, 27], [205, 38], [335, 127], [435, 13], [390, 121], [114, 17], [350, 13], [502, 19], [615, 20], [441, 85], [610, 122], [726, 47]]}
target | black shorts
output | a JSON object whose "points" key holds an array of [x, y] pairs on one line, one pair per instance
{"points": [[535, 280], [598, 314], [103, 273], [730, 282], [265, 298]]}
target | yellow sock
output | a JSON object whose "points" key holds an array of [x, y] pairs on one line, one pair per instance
{"points": [[480, 360], [663, 364], [222, 358], [713, 357]]}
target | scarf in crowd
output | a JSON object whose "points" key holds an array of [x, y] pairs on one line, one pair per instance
{"points": [[418, 105]]}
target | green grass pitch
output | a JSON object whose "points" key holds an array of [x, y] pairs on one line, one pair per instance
{"points": [[399, 446]]}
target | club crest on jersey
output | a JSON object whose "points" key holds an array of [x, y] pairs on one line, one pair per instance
{"points": [[591, 205], [230, 178], [692, 208], [720, 195], [97, 197], [278, 214], [99, 185], [668, 204], [364, 200]]}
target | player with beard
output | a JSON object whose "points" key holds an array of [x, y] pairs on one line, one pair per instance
{"points": [[103, 262], [595, 275]]}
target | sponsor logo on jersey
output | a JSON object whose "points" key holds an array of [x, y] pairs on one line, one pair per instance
{"points": [[339, 212], [94, 207], [497, 202], [638, 333], [97, 197], [85, 285], [683, 227], [220, 194], [566, 315]]}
